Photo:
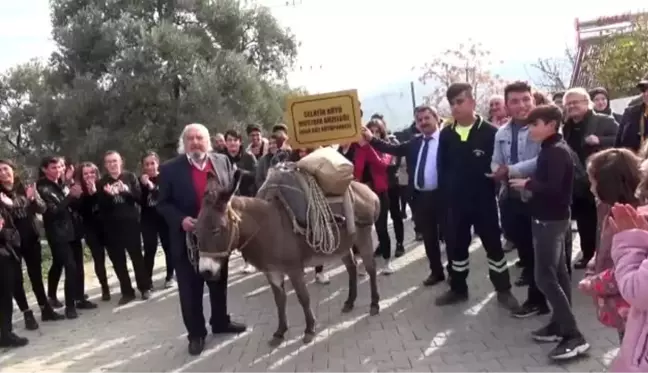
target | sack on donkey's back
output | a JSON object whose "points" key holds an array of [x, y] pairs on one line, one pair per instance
{"points": [[331, 169]]}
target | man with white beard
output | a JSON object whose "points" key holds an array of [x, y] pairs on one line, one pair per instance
{"points": [[182, 184]]}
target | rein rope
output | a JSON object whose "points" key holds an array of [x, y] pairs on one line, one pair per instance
{"points": [[322, 233], [192, 249]]}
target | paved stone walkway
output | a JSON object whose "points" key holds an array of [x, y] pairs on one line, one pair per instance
{"points": [[410, 334]]}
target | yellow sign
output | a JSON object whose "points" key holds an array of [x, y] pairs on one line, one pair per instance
{"points": [[324, 119]]}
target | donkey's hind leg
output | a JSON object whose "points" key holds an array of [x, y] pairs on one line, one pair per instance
{"points": [[298, 283], [276, 280], [364, 244], [352, 270]]}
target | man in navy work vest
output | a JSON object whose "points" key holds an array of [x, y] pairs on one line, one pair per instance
{"points": [[421, 160], [464, 160]]}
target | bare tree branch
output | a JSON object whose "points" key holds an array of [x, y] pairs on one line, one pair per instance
{"points": [[555, 72], [470, 62]]}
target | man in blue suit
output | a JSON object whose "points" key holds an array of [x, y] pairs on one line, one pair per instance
{"points": [[420, 154], [182, 186]]}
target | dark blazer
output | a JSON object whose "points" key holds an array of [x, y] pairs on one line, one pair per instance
{"points": [[628, 134], [602, 126], [177, 196], [408, 150]]}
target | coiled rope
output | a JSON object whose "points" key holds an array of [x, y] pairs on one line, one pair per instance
{"points": [[322, 233]]}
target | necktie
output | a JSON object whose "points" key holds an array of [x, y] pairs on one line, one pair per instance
{"points": [[420, 176]]}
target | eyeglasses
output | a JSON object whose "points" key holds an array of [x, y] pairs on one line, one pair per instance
{"points": [[574, 102]]}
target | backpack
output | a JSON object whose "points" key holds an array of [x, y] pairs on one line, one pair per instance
{"points": [[581, 186]]}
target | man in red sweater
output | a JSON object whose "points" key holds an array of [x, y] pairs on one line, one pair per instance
{"points": [[182, 184]]}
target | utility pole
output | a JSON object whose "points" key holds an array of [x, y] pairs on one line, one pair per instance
{"points": [[413, 93]]}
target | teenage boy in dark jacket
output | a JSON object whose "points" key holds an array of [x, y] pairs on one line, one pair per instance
{"points": [[246, 162], [552, 187], [464, 157]]}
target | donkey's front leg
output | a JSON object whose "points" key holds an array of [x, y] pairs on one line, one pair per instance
{"points": [[352, 270], [276, 281], [364, 245], [297, 280]]}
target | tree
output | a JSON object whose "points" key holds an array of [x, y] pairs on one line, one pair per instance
{"points": [[23, 99], [555, 73], [470, 63], [619, 60], [128, 75]]}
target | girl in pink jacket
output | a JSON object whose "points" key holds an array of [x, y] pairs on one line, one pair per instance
{"points": [[614, 177], [630, 256]]}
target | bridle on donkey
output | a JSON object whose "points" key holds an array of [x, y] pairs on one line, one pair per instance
{"points": [[234, 236]]}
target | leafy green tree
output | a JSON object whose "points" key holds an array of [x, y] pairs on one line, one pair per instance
{"points": [[128, 75], [619, 60]]}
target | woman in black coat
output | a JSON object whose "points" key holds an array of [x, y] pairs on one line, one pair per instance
{"points": [[153, 224], [87, 176], [9, 268], [22, 204]]}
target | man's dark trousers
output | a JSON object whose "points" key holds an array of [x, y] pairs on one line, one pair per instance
{"points": [[190, 289], [481, 214], [428, 215]]}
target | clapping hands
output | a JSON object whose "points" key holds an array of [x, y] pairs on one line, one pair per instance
{"points": [[91, 187], [147, 181], [30, 192], [110, 189], [625, 217], [76, 191]]}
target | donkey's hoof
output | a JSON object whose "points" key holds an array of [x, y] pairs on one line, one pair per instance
{"points": [[348, 307], [374, 310], [308, 338], [275, 341]]}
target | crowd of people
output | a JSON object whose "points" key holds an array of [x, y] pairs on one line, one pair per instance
{"points": [[114, 214], [523, 173], [527, 171], [516, 179]]}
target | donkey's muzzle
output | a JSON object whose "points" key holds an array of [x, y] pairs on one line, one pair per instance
{"points": [[209, 268]]}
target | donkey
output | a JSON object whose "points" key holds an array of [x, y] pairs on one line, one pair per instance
{"points": [[262, 231]]}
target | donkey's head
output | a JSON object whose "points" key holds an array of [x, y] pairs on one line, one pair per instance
{"points": [[216, 227]]}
